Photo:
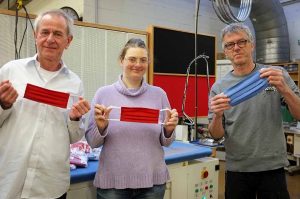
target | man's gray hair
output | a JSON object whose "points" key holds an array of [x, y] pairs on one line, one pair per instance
{"points": [[56, 12], [235, 28]]}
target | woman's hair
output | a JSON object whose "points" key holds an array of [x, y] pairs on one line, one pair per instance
{"points": [[236, 28], [132, 43], [56, 12]]}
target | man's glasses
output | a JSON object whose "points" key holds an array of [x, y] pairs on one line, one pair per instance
{"points": [[135, 60], [241, 43]]}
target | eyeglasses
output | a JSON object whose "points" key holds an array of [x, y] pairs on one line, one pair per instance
{"points": [[241, 43], [135, 60]]}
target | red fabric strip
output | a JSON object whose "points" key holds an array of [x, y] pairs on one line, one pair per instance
{"points": [[46, 96], [136, 114]]}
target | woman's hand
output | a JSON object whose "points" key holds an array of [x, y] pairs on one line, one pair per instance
{"points": [[170, 122], [101, 116]]}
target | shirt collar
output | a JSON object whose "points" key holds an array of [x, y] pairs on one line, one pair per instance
{"points": [[33, 59]]}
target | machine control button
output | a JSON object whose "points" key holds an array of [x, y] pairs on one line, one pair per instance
{"points": [[204, 174]]}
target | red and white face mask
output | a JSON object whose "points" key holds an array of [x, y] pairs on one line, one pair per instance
{"points": [[139, 114]]}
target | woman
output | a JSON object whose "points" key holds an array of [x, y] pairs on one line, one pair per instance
{"points": [[131, 163]]}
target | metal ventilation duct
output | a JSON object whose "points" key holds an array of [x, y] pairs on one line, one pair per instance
{"points": [[272, 36], [223, 10], [271, 31]]}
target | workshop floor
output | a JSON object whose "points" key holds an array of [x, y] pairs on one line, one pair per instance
{"points": [[292, 181]]}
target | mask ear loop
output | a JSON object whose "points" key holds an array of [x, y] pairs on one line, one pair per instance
{"points": [[114, 107], [162, 110], [73, 98]]}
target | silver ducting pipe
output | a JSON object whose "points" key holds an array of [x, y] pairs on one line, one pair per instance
{"points": [[272, 36], [223, 10], [271, 31]]}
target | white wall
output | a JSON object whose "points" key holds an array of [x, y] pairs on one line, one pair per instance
{"points": [[37, 6], [292, 13], [176, 14], [139, 14]]}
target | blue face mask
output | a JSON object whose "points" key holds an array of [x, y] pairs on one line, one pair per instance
{"points": [[246, 88]]}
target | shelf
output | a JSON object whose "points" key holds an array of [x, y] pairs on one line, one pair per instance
{"points": [[294, 76], [293, 69]]}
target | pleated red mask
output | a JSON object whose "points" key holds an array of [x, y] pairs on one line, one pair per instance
{"points": [[46, 96], [136, 114]]}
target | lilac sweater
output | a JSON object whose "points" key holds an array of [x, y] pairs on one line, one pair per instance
{"points": [[132, 155]]}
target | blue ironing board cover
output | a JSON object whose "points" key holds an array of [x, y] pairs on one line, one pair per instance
{"points": [[176, 152]]}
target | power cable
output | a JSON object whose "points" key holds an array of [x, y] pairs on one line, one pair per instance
{"points": [[19, 5], [190, 121]]}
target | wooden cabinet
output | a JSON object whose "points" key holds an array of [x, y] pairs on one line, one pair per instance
{"points": [[293, 68]]}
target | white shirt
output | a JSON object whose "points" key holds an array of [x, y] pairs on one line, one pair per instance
{"points": [[34, 137], [45, 74]]}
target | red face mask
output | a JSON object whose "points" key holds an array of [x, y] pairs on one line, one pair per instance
{"points": [[46, 96], [136, 114]]}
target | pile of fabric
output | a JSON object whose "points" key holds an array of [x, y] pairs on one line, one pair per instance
{"points": [[80, 153]]}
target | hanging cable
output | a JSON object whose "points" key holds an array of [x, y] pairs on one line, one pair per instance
{"points": [[207, 74], [16, 34], [24, 33], [19, 5], [223, 10], [32, 28], [205, 57]]}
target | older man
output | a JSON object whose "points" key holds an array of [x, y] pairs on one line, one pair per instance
{"points": [[254, 138], [35, 137]]}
